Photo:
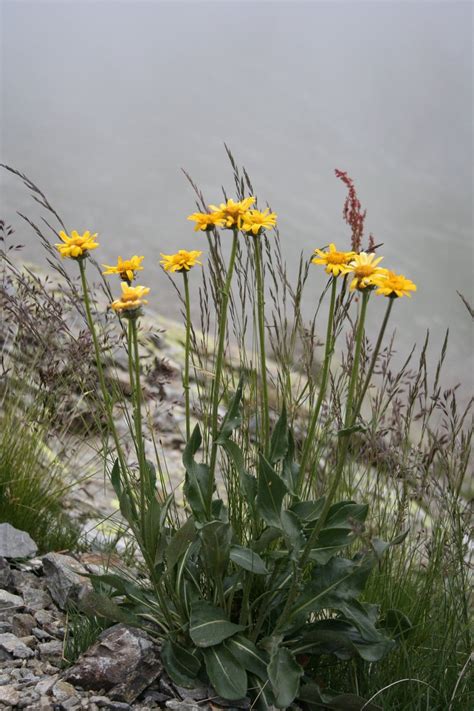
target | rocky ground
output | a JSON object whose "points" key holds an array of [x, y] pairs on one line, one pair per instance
{"points": [[120, 671]]}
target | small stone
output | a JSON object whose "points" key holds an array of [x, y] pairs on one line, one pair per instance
{"points": [[35, 598], [6, 577], [40, 634], [198, 694], [9, 695], [62, 690], [51, 651], [22, 624], [42, 617], [65, 578], [72, 703], [44, 686], [30, 641], [9, 603], [186, 704], [15, 543], [155, 696], [100, 700], [14, 646]]}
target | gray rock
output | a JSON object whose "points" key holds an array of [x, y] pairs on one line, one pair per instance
{"points": [[6, 577], [44, 686], [186, 704], [15, 543], [22, 624], [35, 598], [64, 578], [14, 646], [9, 603], [62, 690], [9, 695], [198, 694], [51, 651], [123, 662]]}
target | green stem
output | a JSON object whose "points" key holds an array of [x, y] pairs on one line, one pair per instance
{"points": [[261, 330], [329, 349], [142, 468], [349, 421], [103, 385], [219, 364], [375, 354], [186, 355]]}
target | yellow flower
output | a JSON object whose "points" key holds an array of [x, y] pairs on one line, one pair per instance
{"points": [[181, 261], [335, 262], [364, 268], [232, 212], [206, 220], [126, 268], [394, 285], [131, 299], [255, 221], [76, 245]]}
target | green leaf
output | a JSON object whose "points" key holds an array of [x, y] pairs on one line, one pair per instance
{"points": [[215, 537], [339, 637], [284, 673], [309, 511], [313, 698], [93, 603], [209, 626], [248, 483], [116, 479], [232, 419], [150, 488], [248, 655], [226, 674], [248, 560], [263, 699], [293, 534], [181, 665], [340, 579], [197, 484], [279, 438], [345, 513], [180, 542], [348, 431], [271, 492], [397, 623]]}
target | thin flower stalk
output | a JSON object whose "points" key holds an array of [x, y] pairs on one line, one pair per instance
{"points": [[103, 385], [328, 351], [261, 331], [134, 365], [219, 363], [349, 421], [186, 354], [375, 354]]}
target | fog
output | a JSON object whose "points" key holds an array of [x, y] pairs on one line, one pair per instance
{"points": [[103, 103]]}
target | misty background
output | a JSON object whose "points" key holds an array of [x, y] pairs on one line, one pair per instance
{"points": [[103, 103]]}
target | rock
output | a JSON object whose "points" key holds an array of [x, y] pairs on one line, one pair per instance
{"points": [[155, 696], [197, 694], [186, 704], [22, 624], [43, 617], [64, 578], [15, 543], [51, 651], [9, 695], [9, 603], [14, 646], [62, 690], [123, 662], [35, 598], [6, 577], [44, 686]]}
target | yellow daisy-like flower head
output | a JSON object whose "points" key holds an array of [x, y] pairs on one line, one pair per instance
{"points": [[125, 268], [394, 285], [255, 222], [335, 262], [76, 246], [182, 261], [231, 212], [206, 221], [131, 299], [365, 269]]}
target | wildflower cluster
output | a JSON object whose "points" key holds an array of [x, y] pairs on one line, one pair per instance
{"points": [[234, 215], [365, 272]]}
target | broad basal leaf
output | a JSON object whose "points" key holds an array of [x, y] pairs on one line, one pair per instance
{"points": [[226, 674], [215, 537], [247, 654], [209, 625], [248, 560], [181, 664], [279, 438], [271, 492], [284, 673]]}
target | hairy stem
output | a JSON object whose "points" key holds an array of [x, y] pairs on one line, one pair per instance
{"points": [[261, 332]]}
